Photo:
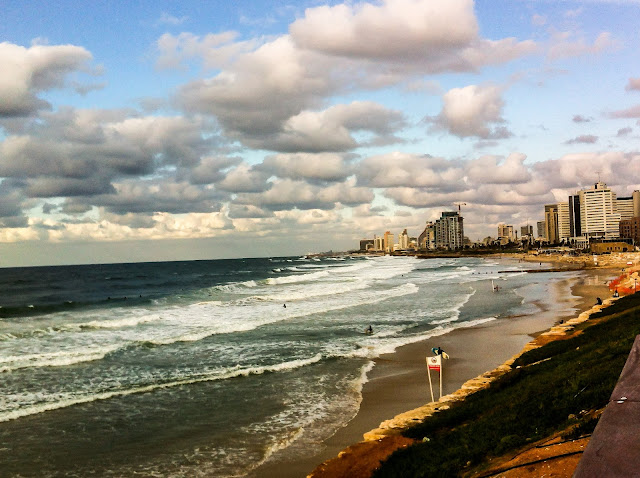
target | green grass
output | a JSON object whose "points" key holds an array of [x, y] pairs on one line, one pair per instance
{"points": [[563, 378]]}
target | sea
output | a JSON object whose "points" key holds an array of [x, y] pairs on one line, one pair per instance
{"points": [[212, 368]]}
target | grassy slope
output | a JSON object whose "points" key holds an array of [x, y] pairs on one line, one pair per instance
{"points": [[562, 379]]}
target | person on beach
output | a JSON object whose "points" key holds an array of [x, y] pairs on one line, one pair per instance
{"points": [[598, 301], [615, 293]]}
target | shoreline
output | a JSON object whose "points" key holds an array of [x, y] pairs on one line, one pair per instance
{"points": [[398, 381]]}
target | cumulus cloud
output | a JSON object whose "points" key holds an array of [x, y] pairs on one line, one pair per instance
{"points": [[81, 152], [389, 30], [330, 167], [404, 169], [265, 96], [288, 194], [583, 139], [472, 111], [332, 129], [27, 72]]}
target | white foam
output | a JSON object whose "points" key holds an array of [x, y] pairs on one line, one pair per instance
{"points": [[70, 399]]}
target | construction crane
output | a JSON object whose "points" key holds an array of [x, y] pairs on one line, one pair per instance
{"points": [[459, 204]]}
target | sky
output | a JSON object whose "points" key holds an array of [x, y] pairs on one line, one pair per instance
{"points": [[149, 131]]}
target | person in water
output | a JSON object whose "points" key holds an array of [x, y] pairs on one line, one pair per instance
{"points": [[369, 330], [284, 305]]}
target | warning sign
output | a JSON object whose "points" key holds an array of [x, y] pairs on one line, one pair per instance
{"points": [[434, 363]]}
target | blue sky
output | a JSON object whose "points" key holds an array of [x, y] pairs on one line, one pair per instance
{"points": [[186, 130]]}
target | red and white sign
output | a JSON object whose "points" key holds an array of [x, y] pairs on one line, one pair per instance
{"points": [[434, 363]]}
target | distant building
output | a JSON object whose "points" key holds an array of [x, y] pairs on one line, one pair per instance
{"points": [[551, 223], [526, 230], [449, 231], [598, 212], [378, 243], [505, 233], [388, 242], [630, 229], [540, 228], [564, 221], [403, 240], [608, 246], [629, 207], [575, 226], [366, 244], [427, 239]]}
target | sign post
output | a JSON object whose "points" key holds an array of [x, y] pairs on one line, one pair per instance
{"points": [[434, 363]]}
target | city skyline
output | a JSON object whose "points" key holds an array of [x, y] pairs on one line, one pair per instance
{"points": [[227, 129]]}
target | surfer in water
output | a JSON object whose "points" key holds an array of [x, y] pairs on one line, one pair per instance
{"points": [[369, 330]]}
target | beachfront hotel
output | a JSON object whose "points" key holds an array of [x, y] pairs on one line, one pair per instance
{"points": [[592, 214]]}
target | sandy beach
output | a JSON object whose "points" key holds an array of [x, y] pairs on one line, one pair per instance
{"points": [[398, 382]]}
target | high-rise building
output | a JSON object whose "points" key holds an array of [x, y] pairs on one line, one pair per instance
{"points": [[564, 221], [526, 231], [388, 242], [599, 216], [575, 226], [551, 223], [378, 243], [403, 240], [449, 231], [505, 233], [541, 226], [629, 207], [427, 239]]}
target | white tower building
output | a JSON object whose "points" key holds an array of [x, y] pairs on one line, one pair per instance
{"points": [[599, 215]]}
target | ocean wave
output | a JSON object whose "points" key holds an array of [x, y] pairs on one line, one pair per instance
{"points": [[54, 359], [72, 399], [297, 278]]}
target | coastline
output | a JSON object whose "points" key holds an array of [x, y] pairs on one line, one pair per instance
{"points": [[398, 381]]}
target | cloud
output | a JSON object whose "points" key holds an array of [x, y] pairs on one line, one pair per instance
{"points": [[538, 20], [332, 129], [565, 45], [329, 167], [495, 170], [216, 50], [389, 30], [633, 112], [267, 94], [624, 132], [633, 85], [166, 19], [581, 119], [472, 111], [288, 194], [583, 139], [411, 170], [27, 72]]}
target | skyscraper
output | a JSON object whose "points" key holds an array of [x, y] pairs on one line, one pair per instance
{"points": [[427, 239], [575, 224], [564, 221], [599, 216], [449, 231], [551, 223]]}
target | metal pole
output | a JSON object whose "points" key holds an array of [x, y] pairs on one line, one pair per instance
{"points": [[441, 367], [430, 386]]}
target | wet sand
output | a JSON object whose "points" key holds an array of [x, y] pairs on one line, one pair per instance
{"points": [[399, 382]]}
